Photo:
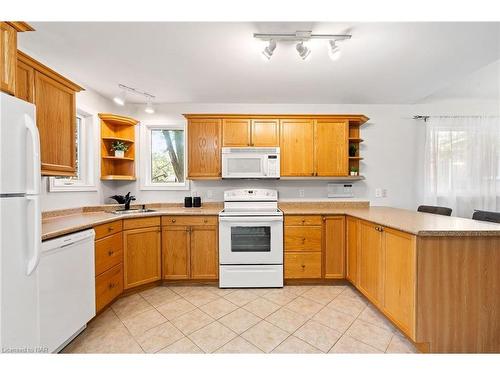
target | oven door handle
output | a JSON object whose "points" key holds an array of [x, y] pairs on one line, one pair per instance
{"points": [[246, 220]]}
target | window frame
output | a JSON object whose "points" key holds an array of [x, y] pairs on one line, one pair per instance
{"points": [[86, 160], [145, 158]]}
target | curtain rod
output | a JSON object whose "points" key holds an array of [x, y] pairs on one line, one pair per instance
{"points": [[426, 117]]}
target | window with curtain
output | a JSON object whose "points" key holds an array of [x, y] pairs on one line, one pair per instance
{"points": [[462, 163]]}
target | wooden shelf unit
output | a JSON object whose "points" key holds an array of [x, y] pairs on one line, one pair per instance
{"points": [[354, 138], [117, 128]]}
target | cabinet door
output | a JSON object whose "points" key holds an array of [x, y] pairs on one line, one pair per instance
{"points": [[204, 252], [334, 247], [235, 133], [352, 249], [265, 133], [399, 279], [56, 121], [297, 147], [204, 136], [175, 252], [25, 82], [370, 258], [331, 143], [142, 256], [8, 58]]}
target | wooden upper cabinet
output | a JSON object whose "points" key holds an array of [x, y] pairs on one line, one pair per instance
{"points": [[56, 120], [297, 147], [8, 57], [204, 140], [331, 148], [370, 259], [236, 133], [265, 133], [334, 247], [25, 82]]}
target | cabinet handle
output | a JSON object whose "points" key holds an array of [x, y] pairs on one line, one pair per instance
{"points": [[110, 252], [173, 220], [381, 229], [111, 285], [110, 229], [303, 266], [205, 221], [303, 240], [303, 221]]}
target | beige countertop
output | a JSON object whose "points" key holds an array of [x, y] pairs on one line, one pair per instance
{"points": [[57, 223]]}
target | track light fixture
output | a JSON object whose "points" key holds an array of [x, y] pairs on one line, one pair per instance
{"points": [[120, 99], [303, 51], [301, 37], [268, 51]]}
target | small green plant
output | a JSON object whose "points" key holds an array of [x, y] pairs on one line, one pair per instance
{"points": [[119, 146], [354, 169], [353, 149]]}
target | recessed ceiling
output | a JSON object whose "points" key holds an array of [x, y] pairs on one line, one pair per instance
{"points": [[222, 63]]}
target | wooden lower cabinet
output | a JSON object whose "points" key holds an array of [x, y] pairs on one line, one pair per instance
{"points": [[334, 265], [370, 259], [142, 256], [352, 247], [303, 265], [108, 286], [190, 248]]}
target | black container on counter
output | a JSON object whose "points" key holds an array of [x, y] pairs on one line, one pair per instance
{"points": [[196, 201], [188, 202]]}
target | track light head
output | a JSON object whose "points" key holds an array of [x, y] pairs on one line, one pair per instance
{"points": [[268, 51], [120, 99], [334, 50], [303, 51]]}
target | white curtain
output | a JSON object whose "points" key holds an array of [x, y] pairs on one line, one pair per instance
{"points": [[462, 163]]}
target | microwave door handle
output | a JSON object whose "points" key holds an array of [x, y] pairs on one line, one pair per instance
{"points": [[264, 166]]}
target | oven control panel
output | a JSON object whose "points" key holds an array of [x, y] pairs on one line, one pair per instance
{"points": [[243, 195]]}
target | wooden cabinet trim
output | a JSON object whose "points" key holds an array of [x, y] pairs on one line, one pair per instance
{"points": [[141, 222], [8, 56]]}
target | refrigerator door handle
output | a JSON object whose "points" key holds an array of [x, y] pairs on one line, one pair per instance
{"points": [[37, 234], [35, 139]]}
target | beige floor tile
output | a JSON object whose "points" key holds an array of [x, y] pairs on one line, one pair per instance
{"points": [[265, 336], [183, 346], [295, 346], [280, 296], [239, 320], [219, 291], [117, 340], [297, 289], [200, 297], [212, 337], [192, 321], [239, 345], [218, 308], [159, 295], [287, 320], [174, 309], [140, 323], [318, 335], [322, 294], [261, 307], [334, 319], [241, 297], [184, 290], [304, 306], [347, 344], [107, 319], [262, 291], [352, 292], [347, 305], [400, 344], [129, 306], [371, 315], [374, 336], [159, 337]]}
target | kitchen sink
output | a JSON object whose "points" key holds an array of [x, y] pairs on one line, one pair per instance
{"points": [[132, 211]]}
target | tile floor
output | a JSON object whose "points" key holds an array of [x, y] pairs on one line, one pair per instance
{"points": [[205, 319]]}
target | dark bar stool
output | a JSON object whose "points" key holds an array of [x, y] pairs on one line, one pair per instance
{"points": [[445, 211], [493, 217]]}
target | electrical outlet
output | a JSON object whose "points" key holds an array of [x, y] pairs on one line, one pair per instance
{"points": [[384, 193], [378, 193], [301, 193]]}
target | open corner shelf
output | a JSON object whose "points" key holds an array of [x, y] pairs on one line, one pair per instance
{"points": [[117, 128]]}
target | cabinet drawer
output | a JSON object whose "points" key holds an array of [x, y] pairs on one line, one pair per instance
{"points": [[108, 286], [302, 265], [141, 222], [107, 229], [303, 220], [303, 238], [108, 253], [189, 220]]}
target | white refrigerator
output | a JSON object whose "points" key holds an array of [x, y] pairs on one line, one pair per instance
{"points": [[20, 225]]}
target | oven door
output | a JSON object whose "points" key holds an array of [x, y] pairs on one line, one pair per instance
{"points": [[251, 240], [244, 165]]}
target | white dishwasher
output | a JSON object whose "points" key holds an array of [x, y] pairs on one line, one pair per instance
{"points": [[66, 288]]}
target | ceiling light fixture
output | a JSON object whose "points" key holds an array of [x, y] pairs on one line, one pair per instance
{"points": [[149, 107], [303, 51], [120, 99], [268, 51], [301, 37]]}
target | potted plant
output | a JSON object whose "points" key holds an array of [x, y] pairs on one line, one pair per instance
{"points": [[354, 171], [119, 148], [353, 149]]}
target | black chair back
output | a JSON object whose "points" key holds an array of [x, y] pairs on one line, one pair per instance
{"points": [[493, 217], [445, 211]]}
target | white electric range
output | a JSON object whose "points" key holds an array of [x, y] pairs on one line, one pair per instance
{"points": [[250, 239]]}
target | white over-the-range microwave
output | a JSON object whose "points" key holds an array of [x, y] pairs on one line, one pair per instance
{"points": [[250, 162]]}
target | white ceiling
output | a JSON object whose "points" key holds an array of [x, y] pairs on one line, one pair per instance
{"points": [[221, 62]]}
